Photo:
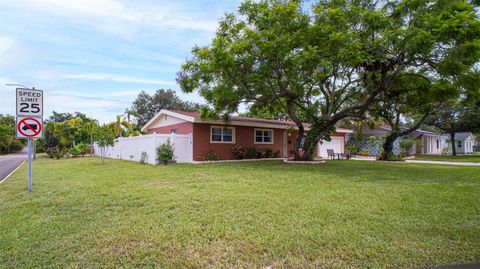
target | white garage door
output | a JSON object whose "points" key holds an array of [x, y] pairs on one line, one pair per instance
{"points": [[336, 144]]}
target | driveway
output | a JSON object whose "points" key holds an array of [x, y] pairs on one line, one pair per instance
{"points": [[10, 162]]}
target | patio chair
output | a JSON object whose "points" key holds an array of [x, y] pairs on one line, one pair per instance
{"points": [[331, 154]]}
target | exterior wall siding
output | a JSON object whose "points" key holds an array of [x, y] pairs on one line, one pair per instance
{"points": [[244, 135], [181, 128]]}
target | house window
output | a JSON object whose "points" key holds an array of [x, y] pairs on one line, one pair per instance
{"points": [[459, 144], [438, 144], [220, 134], [263, 136]]}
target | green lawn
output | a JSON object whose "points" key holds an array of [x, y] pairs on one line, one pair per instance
{"points": [[449, 158], [341, 214]]}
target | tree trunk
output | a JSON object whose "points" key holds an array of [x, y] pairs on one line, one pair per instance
{"points": [[298, 144], [452, 138], [310, 147], [91, 145], [387, 147]]}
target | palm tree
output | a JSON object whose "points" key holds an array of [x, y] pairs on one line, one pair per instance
{"points": [[117, 126], [129, 113], [90, 127]]}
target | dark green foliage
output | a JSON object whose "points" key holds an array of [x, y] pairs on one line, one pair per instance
{"points": [[146, 105], [211, 156], [55, 152], [40, 146], [251, 153], [79, 149], [353, 149], [104, 137], [165, 152], [406, 145], [242, 152], [8, 141], [334, 62]]}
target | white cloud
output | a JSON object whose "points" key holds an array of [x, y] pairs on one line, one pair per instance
{"points": [[160, 15], [118, 78], [6, 44]]}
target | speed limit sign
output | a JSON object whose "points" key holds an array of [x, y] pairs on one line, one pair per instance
{"points": [[29, 102]]}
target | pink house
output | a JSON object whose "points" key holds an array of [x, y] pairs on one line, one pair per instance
{"points": [[215, 135]]}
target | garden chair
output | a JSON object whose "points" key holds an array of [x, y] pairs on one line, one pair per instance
{"points": [[331, 154]]}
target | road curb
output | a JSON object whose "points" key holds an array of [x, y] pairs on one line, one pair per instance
{"points": [[14, 170]]}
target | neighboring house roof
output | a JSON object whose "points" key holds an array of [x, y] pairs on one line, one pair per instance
{"points": [[387, 128], [461, 136], [427, 132], [234, 120]]}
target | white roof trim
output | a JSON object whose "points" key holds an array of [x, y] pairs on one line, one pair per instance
{"points": [[343, 130], [166, 112], [220, 122], [244, 123]]}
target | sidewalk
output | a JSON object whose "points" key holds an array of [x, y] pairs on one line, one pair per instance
{"points": [[443, 162], [373, 159]]}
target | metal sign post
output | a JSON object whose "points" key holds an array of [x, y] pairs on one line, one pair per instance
{"points": [[29, 121], [29, 165]]}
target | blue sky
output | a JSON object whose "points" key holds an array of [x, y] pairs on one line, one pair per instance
{"points": [[95, 56]]}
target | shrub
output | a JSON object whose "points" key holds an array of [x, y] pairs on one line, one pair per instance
{"points": [[406, 145], [266, 153], [89, 150], [251, 153], [374, 141], [40, 146], [239, 151], [389, 157], [363, 152], [211, 156], [55, 152], [135, 133], [79, 149], [354, 149], [165, 152], [144, 157]]}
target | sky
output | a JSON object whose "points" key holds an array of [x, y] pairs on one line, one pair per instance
{"points": [[95, 56]]}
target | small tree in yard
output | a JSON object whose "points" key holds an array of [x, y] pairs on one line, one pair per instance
{"points": [[90, 127], [165, 152], [104, 138], [406, 145], [329, 64]]}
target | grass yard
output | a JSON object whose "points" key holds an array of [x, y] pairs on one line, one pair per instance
{"points": [[341, 214], [450, 158]]}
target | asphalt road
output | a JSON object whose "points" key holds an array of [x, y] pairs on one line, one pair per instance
{"points": [[9, 162]]}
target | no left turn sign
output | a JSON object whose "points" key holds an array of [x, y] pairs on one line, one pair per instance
{"points": [[29, 127]]}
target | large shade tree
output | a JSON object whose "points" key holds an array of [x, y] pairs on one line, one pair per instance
{"points": [[147, 105], [327, 63]]}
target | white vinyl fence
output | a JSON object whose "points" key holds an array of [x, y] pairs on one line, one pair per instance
{"points": [[131, 148]]}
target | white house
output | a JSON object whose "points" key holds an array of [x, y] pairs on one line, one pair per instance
{"points": [[464, 142], [426, 142]]}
